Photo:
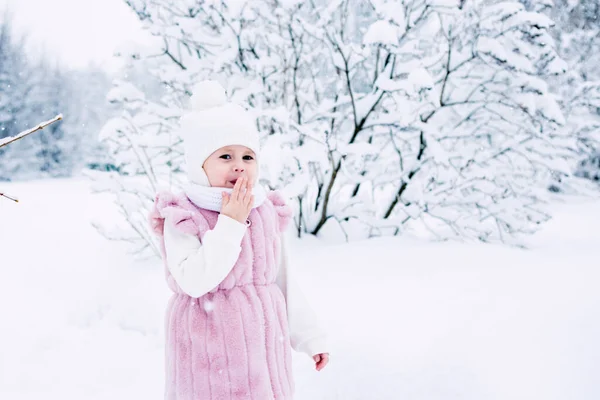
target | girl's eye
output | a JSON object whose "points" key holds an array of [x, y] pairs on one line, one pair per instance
{"points": [[248, 158], [225, 157]]}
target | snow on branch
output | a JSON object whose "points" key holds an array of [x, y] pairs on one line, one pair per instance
{"points": [[10, 139]]}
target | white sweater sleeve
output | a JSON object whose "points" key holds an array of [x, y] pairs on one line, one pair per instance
{"points": [[306, 333], [200, 267]]}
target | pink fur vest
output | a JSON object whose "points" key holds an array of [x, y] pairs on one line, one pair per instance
{"points": [[233, 342]]}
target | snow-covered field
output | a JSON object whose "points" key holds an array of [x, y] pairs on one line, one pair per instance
{"points": [[408, 319]]}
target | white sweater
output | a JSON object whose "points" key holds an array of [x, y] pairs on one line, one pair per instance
{"points": [[200, 267]]}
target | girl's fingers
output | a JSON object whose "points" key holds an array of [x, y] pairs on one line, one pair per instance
{"points": [[321, 360], [322, 363], [243, 189], [225, 198], [240, 194], [248, 193], [236, 189]]}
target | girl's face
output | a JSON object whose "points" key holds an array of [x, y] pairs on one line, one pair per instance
{"points": [[226, 165]]}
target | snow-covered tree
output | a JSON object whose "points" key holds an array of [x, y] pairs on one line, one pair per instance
{"points": [[433, 114], [142, 152], [66, 147], [32, 91], [88, 111], [577, 33], [479, 130], [50, 152], [15, 87], [377, 117]]}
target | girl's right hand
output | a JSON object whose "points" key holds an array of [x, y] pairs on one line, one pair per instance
{"points": [[238, 204], [321, 360]]}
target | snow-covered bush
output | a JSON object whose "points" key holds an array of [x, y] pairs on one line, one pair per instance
{"points": [[376, 117]]}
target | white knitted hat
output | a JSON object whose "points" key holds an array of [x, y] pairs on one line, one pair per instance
{"points": [[212, 123]]}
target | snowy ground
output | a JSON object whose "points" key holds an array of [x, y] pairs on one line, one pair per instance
{"points": [[409, 319]]}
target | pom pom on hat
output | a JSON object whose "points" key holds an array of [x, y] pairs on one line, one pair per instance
{"points": [[207, 94], [212, 123]]}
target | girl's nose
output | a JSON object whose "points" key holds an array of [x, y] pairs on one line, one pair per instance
{"points": [[238, 168]]}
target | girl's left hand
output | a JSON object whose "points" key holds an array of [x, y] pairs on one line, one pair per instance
{"points": [[321, 360]]}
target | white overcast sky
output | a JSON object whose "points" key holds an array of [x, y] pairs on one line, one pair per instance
{"points": [[75, 32]]}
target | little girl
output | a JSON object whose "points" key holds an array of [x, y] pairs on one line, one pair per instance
{"points": [[236, 308]]}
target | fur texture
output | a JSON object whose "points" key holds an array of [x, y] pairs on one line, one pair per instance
{"points": [[232, 343]]}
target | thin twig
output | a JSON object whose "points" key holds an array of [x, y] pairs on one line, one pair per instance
{"points": [[10, 139], [7, 140], [9, 197]]}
